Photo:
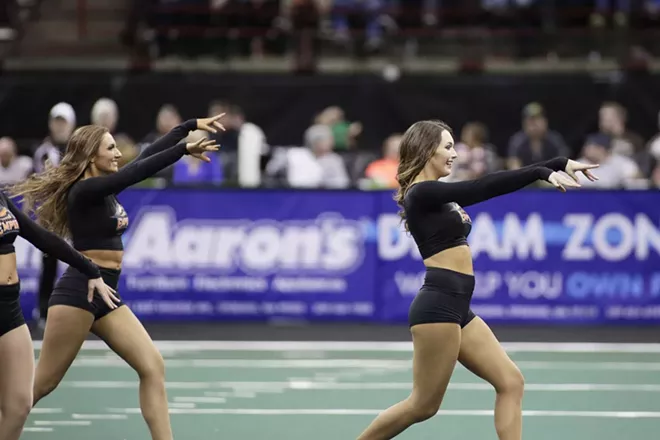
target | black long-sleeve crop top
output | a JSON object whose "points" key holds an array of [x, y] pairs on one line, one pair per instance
{"points": [[96, 218], [434, 210], [14, 223]]}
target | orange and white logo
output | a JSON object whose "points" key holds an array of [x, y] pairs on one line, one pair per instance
{"points": [[122, 218], [8, 222]]}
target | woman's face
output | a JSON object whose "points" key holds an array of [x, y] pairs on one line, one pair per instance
{"points": [[443, 158], [107, 156]]}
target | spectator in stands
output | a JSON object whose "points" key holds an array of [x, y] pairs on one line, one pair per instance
{"points": [[13, 168], [257, 18], [251, 146], [476, 156], [320, 140], [313, 166], [190, 170], [345, 133], [615, 170], [224, 23], [535, 143], [168, 118], [412, 16], [612, 118], [106, 114], [305, 17], [382, 172], [357, 21], [603, 8], [61, 123]]}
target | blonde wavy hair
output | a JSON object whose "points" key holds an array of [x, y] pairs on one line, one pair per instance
{"points": [[45, 194]]}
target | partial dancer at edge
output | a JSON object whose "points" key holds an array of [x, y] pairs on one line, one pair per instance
{"points": [[16, 350], [78, 199]]}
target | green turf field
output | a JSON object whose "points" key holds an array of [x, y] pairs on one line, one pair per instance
{"points": [[328, 391]]}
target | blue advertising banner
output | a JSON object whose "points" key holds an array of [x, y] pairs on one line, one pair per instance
{"points": [[248, 255], [539, 256], [544, 256]]}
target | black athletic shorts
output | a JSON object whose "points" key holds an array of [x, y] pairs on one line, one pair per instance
{"points": [[444, 297], [71, 290], [11, 315]]}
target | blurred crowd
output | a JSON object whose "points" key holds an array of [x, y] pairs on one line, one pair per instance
{"points": [[271, 27], [330, 154]]}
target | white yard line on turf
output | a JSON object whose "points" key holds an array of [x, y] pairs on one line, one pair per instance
{"points": [[181, 405], [385, 364], [372, 412], [99, 416], [542, 347], [199, 399], [302, 385], [62, 422]]}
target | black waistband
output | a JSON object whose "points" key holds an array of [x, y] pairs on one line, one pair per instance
{"points": [[10, 291], [114, 272], [103, 270], [110, 276], [449, 280]]}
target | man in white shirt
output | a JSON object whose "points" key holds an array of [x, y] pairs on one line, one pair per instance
{"points": [[251, 147], [313, 166]]}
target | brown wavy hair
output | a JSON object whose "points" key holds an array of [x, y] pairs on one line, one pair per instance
{"points": [[45, 194], [418, 145]]}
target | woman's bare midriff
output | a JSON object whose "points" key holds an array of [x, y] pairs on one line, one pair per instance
{"points": [[8, 272], [105, 259], [458, 259]]}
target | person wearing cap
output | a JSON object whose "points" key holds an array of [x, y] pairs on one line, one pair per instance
{"points": [[535, 142], [616, 171], [61, 123]]}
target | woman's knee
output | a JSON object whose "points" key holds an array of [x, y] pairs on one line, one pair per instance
{"points": [[423, 407], [512, 382], [16, 407], [152, 367]]}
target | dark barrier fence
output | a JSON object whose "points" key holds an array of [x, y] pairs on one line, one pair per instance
{"points": [[284, 105]]}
